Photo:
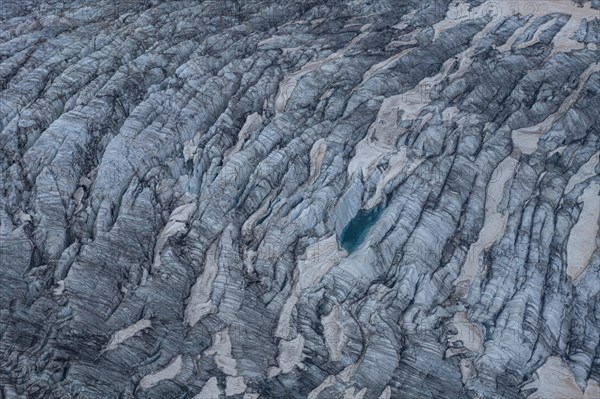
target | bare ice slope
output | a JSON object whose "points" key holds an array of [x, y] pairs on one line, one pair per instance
{"points": [[179, 181]]}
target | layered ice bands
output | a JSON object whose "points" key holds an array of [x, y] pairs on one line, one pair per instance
{"points": [[300, 199]]}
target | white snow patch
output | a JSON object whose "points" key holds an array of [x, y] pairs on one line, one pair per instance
{"points": [[200, 303], [290, 354], [536, 36], [317, 154], [466, 369], [387, 393], [327, 382], [582, 238], [287, 86], [383, 65], [459, 12], [176, 223], [318, 259], [167, 373], [526, 138], [333, 331], [252, 124], [468, 333], [234, 385], [585, 172], [397, 163], [124, 334], [350, 393], [554, 380], [210, 390], [221, 348], [494, 222]]}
